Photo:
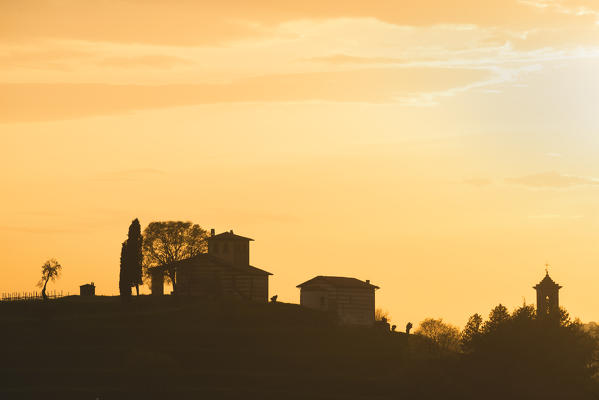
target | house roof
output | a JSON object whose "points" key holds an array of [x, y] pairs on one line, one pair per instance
{"points": [[229, 236], [338, 282], [547, 282], [205, 258]]}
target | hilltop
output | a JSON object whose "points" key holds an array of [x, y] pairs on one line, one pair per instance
{"points": [[177, 347], [101, 347]]}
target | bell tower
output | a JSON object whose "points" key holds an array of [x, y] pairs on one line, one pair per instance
{"points": [[229, 247], [547, 296]]}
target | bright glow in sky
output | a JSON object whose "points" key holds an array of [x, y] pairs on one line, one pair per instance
{"points": [[444, 151]]}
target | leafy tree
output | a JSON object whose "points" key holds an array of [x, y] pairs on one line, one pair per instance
{"points": [[471, 332], [533, 354], [525, 313], [497, 317], [51, 270], [167, 242], [564, 317], [444, 335], [593, 329]]}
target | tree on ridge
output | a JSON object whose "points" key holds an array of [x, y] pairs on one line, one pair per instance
{"points": [[131, 261], [380, 313], [124, 282], [166, 242], [445, 336], [134, 257], [50, 272]]}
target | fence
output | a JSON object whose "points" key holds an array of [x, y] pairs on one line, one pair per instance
{"points": [[16, 296]]}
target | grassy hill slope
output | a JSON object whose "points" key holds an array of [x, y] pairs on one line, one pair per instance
{"points": [[175, 347]]}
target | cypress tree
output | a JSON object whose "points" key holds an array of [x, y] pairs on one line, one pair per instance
{"points": [[124, 281], [134, 256]]}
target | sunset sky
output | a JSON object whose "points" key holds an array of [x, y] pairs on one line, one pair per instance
{"points": [[444, 150]]}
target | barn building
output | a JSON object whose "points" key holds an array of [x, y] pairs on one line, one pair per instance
{"points": [[224, 271], [351, 299]]}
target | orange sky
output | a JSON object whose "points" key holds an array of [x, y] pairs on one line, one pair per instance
{"points": [[444, 150]]}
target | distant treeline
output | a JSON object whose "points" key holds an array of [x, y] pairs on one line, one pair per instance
{"points": [[519, 355]]}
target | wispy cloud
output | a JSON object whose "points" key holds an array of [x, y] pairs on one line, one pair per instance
{"points": [[129, 174], [477, 181], [63, 58], [39, 102], [37, 230], [554, 216], [53, 59], [150, 61], [349, 59], [194, 23], [553, 180]]}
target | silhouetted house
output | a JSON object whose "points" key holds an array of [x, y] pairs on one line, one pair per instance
{"points": [[351, 299], [547, 296], [89, 289], [224, 271]]}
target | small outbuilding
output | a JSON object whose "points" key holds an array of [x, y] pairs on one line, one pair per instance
{"points": [[351, 299], [89, 289]]}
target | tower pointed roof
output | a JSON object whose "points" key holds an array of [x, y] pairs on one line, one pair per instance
{"points": [[547, 282]]}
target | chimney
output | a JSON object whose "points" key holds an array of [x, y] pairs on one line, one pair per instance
{"points": [[212, 232], [231, 230], [368, 281]]}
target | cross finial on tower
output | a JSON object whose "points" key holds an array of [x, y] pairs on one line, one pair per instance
{"points": [[547, 268]]}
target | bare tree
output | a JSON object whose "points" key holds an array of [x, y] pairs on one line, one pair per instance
{"points": [[379, 314], [50, 272], [167, 242]]}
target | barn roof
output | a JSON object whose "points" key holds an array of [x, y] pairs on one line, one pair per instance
{"points": [[229, 236], [338, 282], [205, 258]]}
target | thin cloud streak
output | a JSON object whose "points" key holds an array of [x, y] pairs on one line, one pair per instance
{"points": [[150, 61], [38, 230], [194, 23], [553, 180], [337, 59], [40, 102], [480, 182], [129, 175]]}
